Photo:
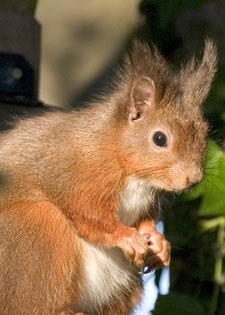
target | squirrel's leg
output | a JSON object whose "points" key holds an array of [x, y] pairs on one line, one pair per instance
{"points": [[40, 253]]}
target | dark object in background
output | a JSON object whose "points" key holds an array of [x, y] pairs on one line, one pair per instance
{"points": [[19, 66], [16, 79]]}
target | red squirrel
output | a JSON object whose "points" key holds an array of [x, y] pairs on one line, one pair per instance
{"points": [[79, 189]]}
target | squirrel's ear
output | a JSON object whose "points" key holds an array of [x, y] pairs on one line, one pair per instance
{"points": [[142, 97], [197, 79]]}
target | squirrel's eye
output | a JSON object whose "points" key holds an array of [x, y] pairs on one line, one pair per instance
{"points": [[160, 139]]}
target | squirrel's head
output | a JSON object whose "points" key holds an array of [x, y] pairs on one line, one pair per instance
{"points": [[163, 134]]}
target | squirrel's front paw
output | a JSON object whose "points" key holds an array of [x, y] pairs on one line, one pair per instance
{"points": [[159, 255], [135, 248]]}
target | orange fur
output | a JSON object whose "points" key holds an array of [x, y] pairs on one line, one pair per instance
{"points": [[45, 252], [77, 215]]}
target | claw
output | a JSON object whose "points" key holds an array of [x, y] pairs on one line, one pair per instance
{"points": [[145, 270], [141, 272]]}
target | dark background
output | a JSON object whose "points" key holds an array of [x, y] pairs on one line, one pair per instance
{"points": [[194, 222]]}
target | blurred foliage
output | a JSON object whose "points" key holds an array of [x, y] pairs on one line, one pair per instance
{"points": [[195, 221], [178, 304], [212, 188]]}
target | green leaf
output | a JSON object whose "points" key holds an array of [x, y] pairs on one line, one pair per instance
{"points": [[212, 188], [177, 304]]}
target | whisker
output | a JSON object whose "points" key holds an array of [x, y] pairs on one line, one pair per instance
{"points": [[216, 187], [209, 171], [222, 199], [212, 132], [215, 163], [150, 170], [210, 174], [139, 171], [176, 247], [220, 141], [214, 168]]}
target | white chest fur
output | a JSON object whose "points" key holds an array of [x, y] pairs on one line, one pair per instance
{"points": [[107, 271], [135, 200]]}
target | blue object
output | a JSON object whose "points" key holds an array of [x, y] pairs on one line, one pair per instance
{"points": [[151, 291]]}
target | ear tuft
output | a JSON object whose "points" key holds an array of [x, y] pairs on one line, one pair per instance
{"points": [[142, 97], [197, 78]]}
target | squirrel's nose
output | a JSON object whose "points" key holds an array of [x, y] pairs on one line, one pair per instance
{"points": [[194, 178]]}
